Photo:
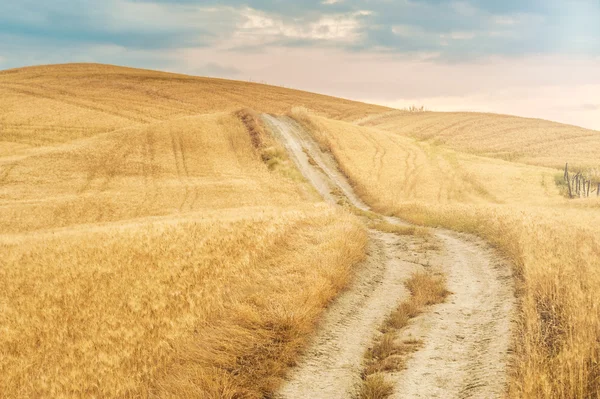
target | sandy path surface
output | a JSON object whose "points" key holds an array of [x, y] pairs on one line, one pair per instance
{"points": [[466, 340]]}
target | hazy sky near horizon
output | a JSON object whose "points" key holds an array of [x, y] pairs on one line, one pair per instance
{"points": [[537, 58]]}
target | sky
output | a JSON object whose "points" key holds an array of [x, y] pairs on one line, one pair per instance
{"points": [[535, 58]]}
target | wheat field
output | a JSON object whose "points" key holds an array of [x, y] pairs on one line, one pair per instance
{"points": [[156, 241], [150, 245], [553, 243], [531, 141]]}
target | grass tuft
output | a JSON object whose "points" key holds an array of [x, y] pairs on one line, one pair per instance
{"points": [[400, 230], [388, 353], [376, 387]]}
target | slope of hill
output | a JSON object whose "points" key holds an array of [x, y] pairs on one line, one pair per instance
{"points": [[141, 222], [49, 104], [532, 141]]}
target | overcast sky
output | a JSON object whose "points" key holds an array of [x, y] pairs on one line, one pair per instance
{"points": [[538, 58]]}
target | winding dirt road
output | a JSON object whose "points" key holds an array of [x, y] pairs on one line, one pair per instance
{"points": [[466, 340]]}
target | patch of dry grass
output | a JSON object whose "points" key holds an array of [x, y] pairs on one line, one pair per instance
{"points": [[389, 353], [271, 152], [376, 387], [426, 289], [178, 308], [305, 117], [400, 230], [185, 165]]}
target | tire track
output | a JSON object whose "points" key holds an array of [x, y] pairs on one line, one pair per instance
{"points": [[175, 142], [148, 167], [182, 169], [467, 339], [5, 172]]}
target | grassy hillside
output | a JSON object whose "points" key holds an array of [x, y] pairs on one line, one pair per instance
{"points": [[52, 104], [554, 243], [153, 242], [532, 141]]}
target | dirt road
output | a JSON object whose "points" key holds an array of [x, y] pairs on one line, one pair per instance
{"points": [[466, 340]]}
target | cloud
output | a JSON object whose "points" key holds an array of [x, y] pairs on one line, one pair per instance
{"points": [[131, 24], [455, 29], [261, 28], [25, 51]]}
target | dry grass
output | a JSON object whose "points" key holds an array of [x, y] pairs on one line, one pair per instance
{"points": [[271, 152], [553, 243], [425, 289], [533, 141], [53, 104], [376, 387], [306, 118], [389, 353], [188, 164], [400, 230], [154, 240], [129, 310]]}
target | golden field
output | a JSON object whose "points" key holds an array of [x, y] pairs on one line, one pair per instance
{"points": [[554, 243], [54, 104], [156, 242], [150, 246], [531, 141]]}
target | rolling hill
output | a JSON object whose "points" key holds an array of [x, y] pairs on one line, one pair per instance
{"points": [[157, 241], [525, 140]]}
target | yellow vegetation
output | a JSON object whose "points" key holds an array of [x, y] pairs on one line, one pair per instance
{"points": [[553, 243], [155, 242], [50, 104], [375, 386], [389, 353], [533, 141], [176, 307]]}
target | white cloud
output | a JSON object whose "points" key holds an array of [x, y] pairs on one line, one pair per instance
{"points": [[261, 28], [411, 31], [134, 16]]}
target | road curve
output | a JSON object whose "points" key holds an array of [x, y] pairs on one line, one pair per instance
{"points": [[466, 341]]}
